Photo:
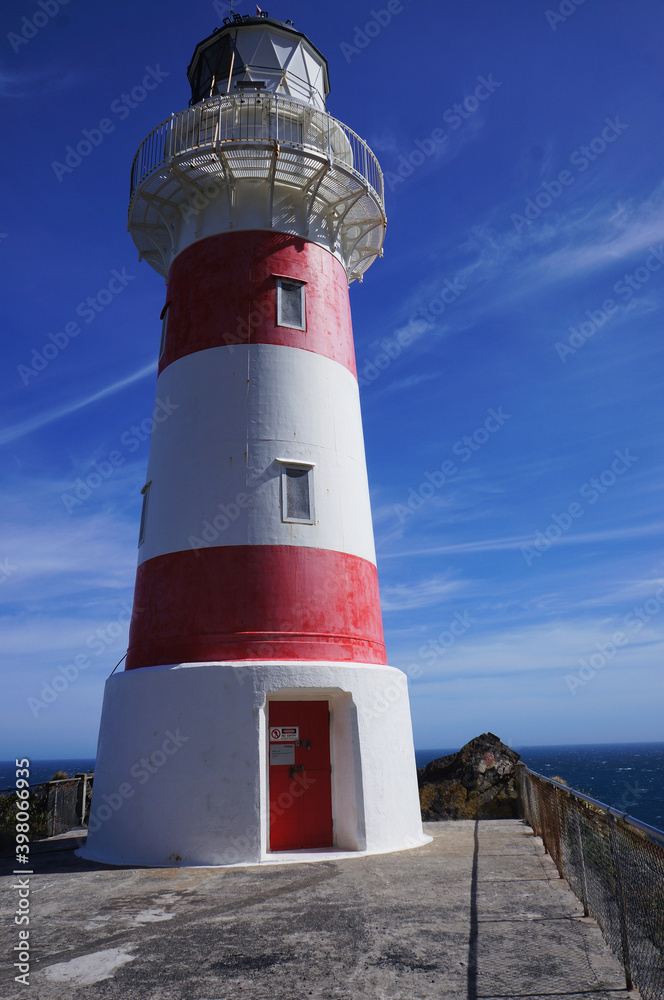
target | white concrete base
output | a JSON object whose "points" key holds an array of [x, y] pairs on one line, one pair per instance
{"points": [[181, 777]]}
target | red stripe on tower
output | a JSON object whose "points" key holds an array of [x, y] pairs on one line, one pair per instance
{"points": [[274, 602], [222, 292]]}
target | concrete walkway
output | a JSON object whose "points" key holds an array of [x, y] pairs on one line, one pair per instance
{"points": [[479, 914]]}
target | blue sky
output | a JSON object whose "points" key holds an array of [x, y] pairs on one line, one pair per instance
{"points": [[509, 350]]}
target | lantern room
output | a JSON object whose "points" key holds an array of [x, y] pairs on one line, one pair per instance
{"points": [[259, 54]]}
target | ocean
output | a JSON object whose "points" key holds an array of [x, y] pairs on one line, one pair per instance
{"points": [[43, 770], [627, 776]]}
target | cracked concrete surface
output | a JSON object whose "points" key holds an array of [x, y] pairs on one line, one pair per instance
{"points": [[480, 913]]}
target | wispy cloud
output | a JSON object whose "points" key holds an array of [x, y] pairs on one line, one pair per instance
{"points": [[19, 86], [423, 594], [51, 416], [66, 555], [411, 381], [517, 542], [567, 245]]}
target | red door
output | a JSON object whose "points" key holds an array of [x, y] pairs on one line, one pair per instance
{"points": [[300, 775]]}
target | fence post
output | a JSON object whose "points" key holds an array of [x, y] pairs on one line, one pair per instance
{"points": [[582, 862], [51, 809], [529, 793], [561, 819], [84, 799], [520, 789], [540, 812], [620, 895]]}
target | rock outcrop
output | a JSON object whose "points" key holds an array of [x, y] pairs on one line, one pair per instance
{"points": [[478, 782]]}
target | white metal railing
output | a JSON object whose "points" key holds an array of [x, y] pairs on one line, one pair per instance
{"points": [[245, 119]]}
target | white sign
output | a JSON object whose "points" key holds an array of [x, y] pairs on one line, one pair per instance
{"points": [[282, 753], [282, 734]]}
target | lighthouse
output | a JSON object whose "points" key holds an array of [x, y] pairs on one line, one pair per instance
{"points": [[256, 719]]}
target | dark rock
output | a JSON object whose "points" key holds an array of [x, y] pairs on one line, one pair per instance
{"points": [[478, 782]]}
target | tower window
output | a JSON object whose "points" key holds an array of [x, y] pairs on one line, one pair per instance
{"points": [[297, 494], [290, 304], [164, 325], [144, 513]]}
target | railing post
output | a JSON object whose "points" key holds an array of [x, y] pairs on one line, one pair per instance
{"points": [[561, 817], [582, 862], [531, 811], [537, 821], [620, 895], [84, 795], [542, 807]]}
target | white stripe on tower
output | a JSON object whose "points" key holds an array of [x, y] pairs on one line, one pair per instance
{"points": [[232, 414]]}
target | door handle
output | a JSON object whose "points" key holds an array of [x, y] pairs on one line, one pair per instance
{"points": [[296, 767]]}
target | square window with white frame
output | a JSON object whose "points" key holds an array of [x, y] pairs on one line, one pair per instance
{"points": [[297, 493], [291, 303]]}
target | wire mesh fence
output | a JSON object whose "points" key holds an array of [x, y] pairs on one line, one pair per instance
{"points": [[55, 807], [614, 864]]}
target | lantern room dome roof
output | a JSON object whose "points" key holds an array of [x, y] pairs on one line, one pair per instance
{"points": [[259, 53]]}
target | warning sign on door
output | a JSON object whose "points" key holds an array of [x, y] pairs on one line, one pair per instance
{"points": [[282, 734]]}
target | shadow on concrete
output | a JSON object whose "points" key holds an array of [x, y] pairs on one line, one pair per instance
{"points": [[472, 937], [54, 856]]}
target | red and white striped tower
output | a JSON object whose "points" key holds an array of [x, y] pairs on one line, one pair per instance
{"points": [[257, 713]]}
